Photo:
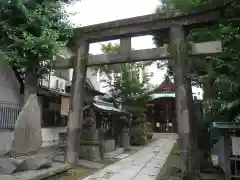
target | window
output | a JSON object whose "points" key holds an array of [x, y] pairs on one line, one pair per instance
{"points": [[51, 117]]}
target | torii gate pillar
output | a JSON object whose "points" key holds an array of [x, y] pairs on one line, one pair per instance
{"points": [[77, 103], [178, 50]]}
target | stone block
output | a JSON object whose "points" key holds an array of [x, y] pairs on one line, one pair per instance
{"points": [[90, 135], [7, 177], [6, 142], [34, 163], [109, 145], [125, 139], [90, 152], [113, 153], [27, 130], [7, 166], [90, 164]]}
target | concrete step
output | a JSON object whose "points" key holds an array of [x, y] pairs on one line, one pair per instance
{"points": [[211, 176]]}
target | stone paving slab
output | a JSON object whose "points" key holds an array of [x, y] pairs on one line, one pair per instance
{"points": [[122, 156], [90, 164], [143, 165]]}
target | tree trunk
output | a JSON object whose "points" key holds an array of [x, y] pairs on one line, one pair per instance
{"points": [[75, 120], [31, 83], [188, 143]]}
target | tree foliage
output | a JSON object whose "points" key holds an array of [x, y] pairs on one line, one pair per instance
{"points": [[128, 82], [32, 33], [217, 75]]}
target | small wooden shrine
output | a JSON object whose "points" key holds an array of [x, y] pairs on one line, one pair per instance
{"points": [[161, 107]]}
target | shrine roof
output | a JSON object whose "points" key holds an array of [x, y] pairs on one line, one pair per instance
{"points": [[166, 85], [226, 125], [106, 106], [161, 95]]}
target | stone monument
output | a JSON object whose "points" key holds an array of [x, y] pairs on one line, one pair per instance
{"points": [[27, 131], [89, 144], [27, 141]]}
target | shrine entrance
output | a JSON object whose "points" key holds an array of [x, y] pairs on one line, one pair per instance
{"points": [[162, 114], [161, 108], [173, 24]]}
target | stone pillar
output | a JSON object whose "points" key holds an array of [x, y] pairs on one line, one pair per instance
{"points": [[125, 138], [118, 141], [178, 49], [101, 139], [76, 104], [227, 154]]}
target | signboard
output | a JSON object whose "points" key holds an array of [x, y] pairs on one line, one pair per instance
{"points": [[65, 106], [236, 146]]}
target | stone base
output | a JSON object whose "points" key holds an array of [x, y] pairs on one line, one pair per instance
{"points": [[125, 139], [34, 163], [39, 174], [11, 165], [113, 154], [7, 166], [89, 152], [109, 145]]}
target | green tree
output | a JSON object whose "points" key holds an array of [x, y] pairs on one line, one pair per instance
{"points": [[128, 82], [217, 75], [32, 33]]}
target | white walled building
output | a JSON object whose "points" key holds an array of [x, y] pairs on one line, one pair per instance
{"points": [[61, 78], [10, 93], [58, 81]]}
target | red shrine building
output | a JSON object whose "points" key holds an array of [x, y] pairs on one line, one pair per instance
{"points": [[161, 109]]}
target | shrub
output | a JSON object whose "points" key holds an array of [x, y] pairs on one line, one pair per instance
{"points": [[149, 136], [138, 136]]}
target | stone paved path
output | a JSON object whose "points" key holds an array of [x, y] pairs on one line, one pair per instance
{"points": [[143, 165]]}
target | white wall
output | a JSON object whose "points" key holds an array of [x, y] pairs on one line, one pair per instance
{"points": [[53, 81], [6, 141], [92, 76], [9, 85], [50, 135]]}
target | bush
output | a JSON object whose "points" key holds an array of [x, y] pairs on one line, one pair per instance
{"points": [[138, 136], [149, 136], [149, 128]]}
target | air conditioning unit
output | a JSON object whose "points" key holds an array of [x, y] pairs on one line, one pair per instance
{"points": [[57, 84]]}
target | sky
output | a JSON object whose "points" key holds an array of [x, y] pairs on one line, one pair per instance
{"points": [[89, 12]]}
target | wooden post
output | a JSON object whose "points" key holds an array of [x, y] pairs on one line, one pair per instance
{"points": [[179, 52], [227, 154], [77, 103]]}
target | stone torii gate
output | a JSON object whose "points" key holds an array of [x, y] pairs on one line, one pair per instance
{"points": [[175, 25]]}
